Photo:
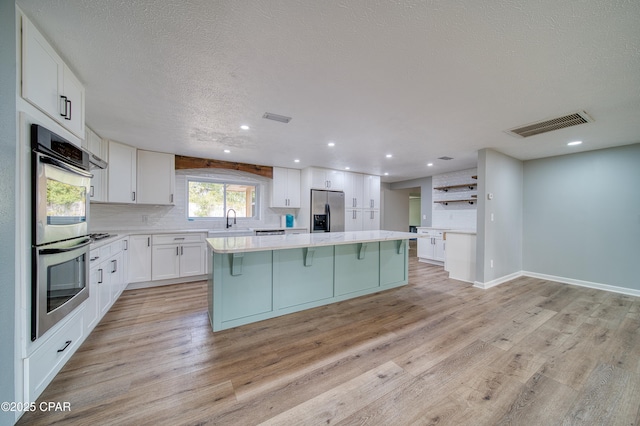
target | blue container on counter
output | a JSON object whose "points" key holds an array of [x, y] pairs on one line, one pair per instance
{"points": [[289, 221]]}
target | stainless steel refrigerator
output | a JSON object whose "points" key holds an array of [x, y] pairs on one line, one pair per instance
{"points": [[327, 211]]}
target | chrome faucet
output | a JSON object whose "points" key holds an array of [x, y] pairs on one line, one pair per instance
{"points": [[234, 218]]}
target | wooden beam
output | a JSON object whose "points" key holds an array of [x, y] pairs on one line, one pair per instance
{"points": [[183, 162]]}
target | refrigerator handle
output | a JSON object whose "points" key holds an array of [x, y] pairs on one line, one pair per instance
{"points": [[327, 210]]}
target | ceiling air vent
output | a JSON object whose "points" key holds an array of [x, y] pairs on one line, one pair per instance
{"points": [[276, 117], [445, 158], [544, 126]]}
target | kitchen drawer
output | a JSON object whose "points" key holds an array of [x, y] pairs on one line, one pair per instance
{"points": [[48, 359], [106, 251], [177, 238]]}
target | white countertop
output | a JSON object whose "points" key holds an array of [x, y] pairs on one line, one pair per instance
{"points": [[281, 242], [460, 231]]}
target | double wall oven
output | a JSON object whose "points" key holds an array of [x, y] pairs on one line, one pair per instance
{"points": [[60, 233]]}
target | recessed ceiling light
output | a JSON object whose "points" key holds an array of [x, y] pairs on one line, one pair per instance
{"points": [[429, 164], [296, 161], [389, 155], [574, 143], [331, 144], [244, 127], [226, 151], [347, 168], [386, 174]]}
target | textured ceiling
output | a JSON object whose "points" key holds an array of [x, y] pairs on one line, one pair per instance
{"points": [[415, 79]]}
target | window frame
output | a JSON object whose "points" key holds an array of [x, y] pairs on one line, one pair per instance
{"points": [[225, 183]]}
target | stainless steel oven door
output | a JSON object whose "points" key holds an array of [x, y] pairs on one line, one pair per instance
{"points": [[61, 200], [61, 282]]}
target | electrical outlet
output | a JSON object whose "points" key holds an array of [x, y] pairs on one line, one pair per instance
{"points": [[424, 217], [491, 263]]}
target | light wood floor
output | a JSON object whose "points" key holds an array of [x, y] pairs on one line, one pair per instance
{"points": [[437, 351]]}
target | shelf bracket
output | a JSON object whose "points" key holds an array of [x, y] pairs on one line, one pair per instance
{"points": [[362, 249], [400, 246], [308, 253], [236, 264]]}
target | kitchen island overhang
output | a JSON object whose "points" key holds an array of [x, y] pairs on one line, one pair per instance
{"points": [[256, 278]]}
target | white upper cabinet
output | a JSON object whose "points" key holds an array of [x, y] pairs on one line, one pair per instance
{"points": [[353, 190], [371, 192], [327, 179], [48, 83], [156, 177], [94, 144], [121, 174], [285, 188]]}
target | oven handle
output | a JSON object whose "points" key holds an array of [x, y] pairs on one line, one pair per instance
{"points": [[65, 250], [46, 159]]}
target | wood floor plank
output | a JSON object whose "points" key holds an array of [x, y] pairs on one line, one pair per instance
{"points": [[542, 401], [573, 361], [525, 352], [606, 397], [341, 401]]}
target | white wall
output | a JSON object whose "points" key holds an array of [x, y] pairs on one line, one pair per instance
{"points": [[499, 239], [124, 217], [454, 215], [582, 216], [415, 211], [395, 210], [425, 199], [8, 143]]}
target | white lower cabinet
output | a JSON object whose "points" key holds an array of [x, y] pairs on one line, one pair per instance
{"points": [[431, 246], [178, 255], [45, 362], [139, 258]]}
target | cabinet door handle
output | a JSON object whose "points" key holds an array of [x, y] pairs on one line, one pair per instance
{"points": [[178, 238], [69, 116], [91, 192], [133, 196], [126, 245], [181, 250], [148, 241], [66, 345], [114, 266], [63, 104], [177, 251], [171, 198], [101, 277]]}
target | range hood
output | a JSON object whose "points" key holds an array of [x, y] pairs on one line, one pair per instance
{"points": [[95, 161]]}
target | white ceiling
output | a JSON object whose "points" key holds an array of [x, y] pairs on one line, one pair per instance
{"points": [[415, 79]]}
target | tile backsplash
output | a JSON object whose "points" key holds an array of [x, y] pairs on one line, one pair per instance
{"points": [[461, 215], [129, 217]]}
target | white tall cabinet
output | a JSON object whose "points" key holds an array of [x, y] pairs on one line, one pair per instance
{"points": [[362, 202], [94, 144], [48, 83], [121, 173], [155, 177], [138, 176], [285, 188]]}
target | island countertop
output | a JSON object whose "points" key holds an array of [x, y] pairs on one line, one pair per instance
{"points": [[282, 242]]}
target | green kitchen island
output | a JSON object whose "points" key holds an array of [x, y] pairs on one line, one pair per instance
{"points": [[255, 278]]}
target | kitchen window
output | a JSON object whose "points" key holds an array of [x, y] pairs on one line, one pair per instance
{"points": [[211, 199]]}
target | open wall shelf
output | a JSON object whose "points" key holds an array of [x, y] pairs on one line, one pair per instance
{"points": [[446, 202], [471, 186]]}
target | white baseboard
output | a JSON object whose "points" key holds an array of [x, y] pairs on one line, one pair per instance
{"points": [[589, 284], [497, 281]]}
